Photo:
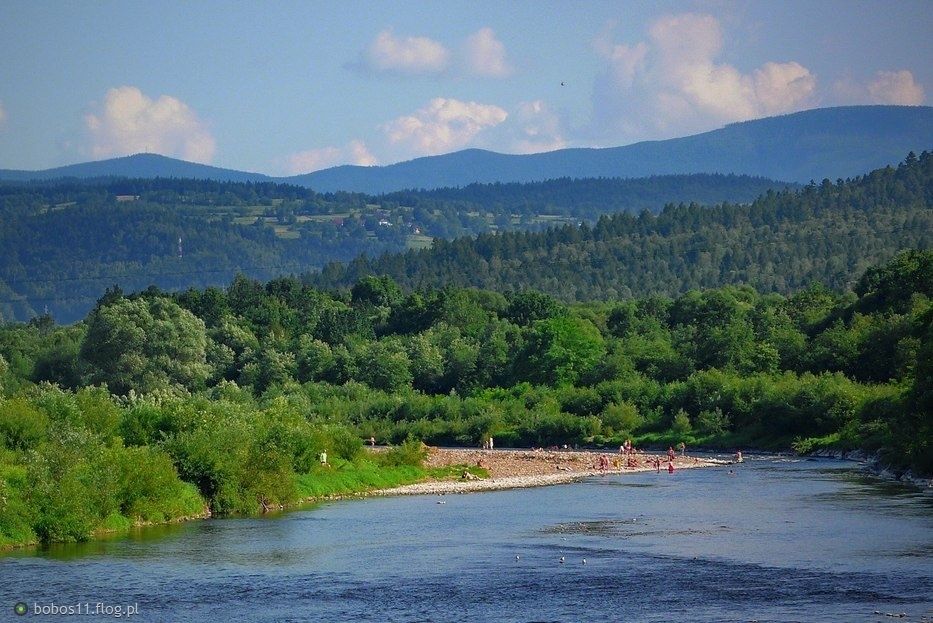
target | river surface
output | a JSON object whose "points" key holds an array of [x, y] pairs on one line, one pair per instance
{"points": [[777, 540]]}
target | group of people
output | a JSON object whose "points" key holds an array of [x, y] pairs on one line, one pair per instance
{"points": [[488, 443]]}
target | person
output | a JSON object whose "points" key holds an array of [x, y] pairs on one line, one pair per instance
{"points": [[323, 457], [657, 462], [683, 449], [670, 467], [738, 456], [491, 445], [372, 442], [670, 453]]}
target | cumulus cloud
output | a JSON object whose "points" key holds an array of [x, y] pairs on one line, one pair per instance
{"points": [[405, 55], [895, 87], [884, 87], [484, 55], [130, 122], [673, 84], [536, 128], [443, 125], [355, 152]]}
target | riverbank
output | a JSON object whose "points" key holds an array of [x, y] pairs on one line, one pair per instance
{"points": [[512, 469]]}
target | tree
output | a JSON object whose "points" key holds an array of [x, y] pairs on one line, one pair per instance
{"points": [[560, 350], [145, 344]]}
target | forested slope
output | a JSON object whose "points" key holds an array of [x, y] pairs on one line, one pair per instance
{"points": [[63, 243], [828, 232]]}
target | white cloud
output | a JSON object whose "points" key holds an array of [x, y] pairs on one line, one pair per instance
{"points": [[537, 128], [443, 125], [484, 55], [130, 122], [3, 115], [885, 87], [671, 84], [355, 152], [408, 55], [895, 87]]}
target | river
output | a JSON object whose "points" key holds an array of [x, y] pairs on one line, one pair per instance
{"points": [[777, 540]]}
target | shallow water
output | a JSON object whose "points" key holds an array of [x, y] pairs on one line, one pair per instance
{"points": [[778, 540]]}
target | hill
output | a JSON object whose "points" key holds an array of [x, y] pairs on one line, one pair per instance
{"points": [[811, 145], [63, 243], [136, 166], [780, 243]]}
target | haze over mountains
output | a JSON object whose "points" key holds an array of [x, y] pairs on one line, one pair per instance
{"points": [[811, 145]]}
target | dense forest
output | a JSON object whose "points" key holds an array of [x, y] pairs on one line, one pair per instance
{"points": [[63, 243], [785, 240], [157, 404]]}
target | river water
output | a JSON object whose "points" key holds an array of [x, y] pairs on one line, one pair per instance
{"points": [[777, 540]]}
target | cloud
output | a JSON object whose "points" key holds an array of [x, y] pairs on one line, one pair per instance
{"points": [[443, 125], [130, 122], [536, 128], [895, 87], [409, 55], [354, 152], [671, 84], [885, 87], [3, 115], [484, 55]]}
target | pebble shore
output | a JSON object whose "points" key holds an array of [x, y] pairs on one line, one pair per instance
{"points": [[512, 469]]}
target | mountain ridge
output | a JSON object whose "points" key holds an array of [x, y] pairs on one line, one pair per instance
{"points": [[830, 143]]}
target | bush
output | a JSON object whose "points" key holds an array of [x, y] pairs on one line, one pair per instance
{"points": [[411, 452], [22, 426]]}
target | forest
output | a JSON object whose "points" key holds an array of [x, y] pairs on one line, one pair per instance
{"points": [[162, 405], [64, 242], [785, 240]]}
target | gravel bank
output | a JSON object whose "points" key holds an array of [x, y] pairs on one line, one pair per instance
{"points": [[511, 469]]}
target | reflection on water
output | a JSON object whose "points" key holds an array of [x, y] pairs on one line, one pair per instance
{"points": [[775, 541]]}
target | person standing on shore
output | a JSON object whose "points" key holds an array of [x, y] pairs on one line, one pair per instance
{"points": [[491, 445], [683, 449], [670, 453]]}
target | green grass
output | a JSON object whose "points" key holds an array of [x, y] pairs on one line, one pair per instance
{"points": [[362, 476], [419, 241], [345, 478]]}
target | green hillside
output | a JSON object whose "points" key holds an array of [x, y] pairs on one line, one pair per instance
{"points": [[782, 242], [63, 243]]}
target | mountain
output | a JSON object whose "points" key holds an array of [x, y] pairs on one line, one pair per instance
{"points": [[811, 145], [136, 166], [782, 242]]}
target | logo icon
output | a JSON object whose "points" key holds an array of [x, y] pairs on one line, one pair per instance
{"points": [[20, 608]]}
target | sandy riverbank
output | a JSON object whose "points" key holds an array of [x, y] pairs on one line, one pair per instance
{"points": [[510, 469]]}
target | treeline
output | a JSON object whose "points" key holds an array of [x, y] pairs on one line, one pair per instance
{"points": [[587, 199], [830, 232], [725, 367], [63, 243]]}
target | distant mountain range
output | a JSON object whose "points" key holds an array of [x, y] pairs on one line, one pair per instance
{"points": [[811, 145]]}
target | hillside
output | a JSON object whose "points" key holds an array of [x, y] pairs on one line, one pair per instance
{"points": [[64, 243], [135, 166], [811, 145], [780, 243]]}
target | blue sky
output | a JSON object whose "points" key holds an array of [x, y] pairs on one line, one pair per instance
{"points": [[290, 87]]}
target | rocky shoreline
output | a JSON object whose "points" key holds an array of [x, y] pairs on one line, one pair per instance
{"points": [[512, 469]]}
